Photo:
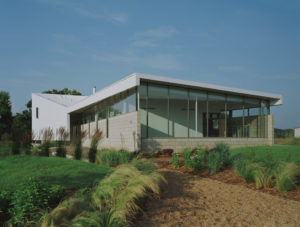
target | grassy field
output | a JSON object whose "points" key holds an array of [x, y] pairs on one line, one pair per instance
{"points": [[277, 153], [70, 174]]}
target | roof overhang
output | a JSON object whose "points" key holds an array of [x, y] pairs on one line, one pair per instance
{"points": [[135, 79]]}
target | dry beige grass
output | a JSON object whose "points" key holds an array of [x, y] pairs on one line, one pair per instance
{"points": [[194, 201]]}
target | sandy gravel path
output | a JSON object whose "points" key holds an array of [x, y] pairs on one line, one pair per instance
{"points": [[194, 201]]}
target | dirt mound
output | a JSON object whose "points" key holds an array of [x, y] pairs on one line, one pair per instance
{"points": [[194, 201]]}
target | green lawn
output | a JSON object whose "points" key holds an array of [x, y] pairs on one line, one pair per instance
{"points": [[71, 174], [277, 153]]}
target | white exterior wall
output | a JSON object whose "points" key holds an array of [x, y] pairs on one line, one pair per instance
{"points": [[297, 132], [50, 115]]}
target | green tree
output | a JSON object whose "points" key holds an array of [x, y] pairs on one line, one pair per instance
{"points": [[5, 113], [64, 91]]}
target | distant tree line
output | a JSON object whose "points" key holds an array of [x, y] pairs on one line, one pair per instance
{"points": [[283, 133]]}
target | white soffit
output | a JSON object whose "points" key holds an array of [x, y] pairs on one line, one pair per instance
{"points": [[135, 78]]}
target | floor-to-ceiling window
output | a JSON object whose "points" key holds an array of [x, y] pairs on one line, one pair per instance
{"points": [[198, 110], [178, 112], [216, 115], [235, 119], [168, 111], [157, 111]]}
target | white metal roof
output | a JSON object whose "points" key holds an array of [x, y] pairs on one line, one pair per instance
{"points": [[64, 100], [135, 79]]}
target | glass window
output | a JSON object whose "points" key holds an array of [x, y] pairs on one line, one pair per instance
{"points": [[234, 116], [216, 115], [143, 109], [252, 118], [178, 118], [123, 103], [197, 107], [157, 111], [37, 113]]}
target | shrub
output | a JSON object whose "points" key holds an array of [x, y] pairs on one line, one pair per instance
{"points": [[187, 162], [214, 161], [15, 149], [78, 149], [5, 200], [98, 135], [61, 150], [124, 156], [108, 157], [175, 160], [31, 197], [223, 149], [287, 176], [200, 158], [45, 149], [34, 150]]}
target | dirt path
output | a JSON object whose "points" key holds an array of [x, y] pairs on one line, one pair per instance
{"points": [[194, 201]]}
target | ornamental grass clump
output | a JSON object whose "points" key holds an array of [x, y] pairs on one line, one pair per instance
{"points": [[78, 145], [187, 161], [242, 168], [124, 156], [175, 160], [288, 177], [114, 201], [223, 149], [199, 158], [108, 157], [63, 134], [98, 135], [214, 161], [47, 136]]}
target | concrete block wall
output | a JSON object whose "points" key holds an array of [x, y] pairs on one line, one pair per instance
{"points": [[178, 144], [123, 132]]}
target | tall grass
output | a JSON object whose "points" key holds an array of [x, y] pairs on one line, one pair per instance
{"points": [[214, 161], [98, 135], [175, 160], [124, 156], [111, 157], [199, 158], [114, 201], [187, 161], [288, 177], [267, 172]]}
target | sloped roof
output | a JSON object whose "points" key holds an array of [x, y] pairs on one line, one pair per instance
{"points": [[63, 100], [135, 79]]}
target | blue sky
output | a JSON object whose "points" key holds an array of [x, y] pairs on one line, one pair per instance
{"points": [[47, 44]]}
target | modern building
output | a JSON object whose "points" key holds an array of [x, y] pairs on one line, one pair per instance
{"points": [[146, 112], [297, 132]]}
